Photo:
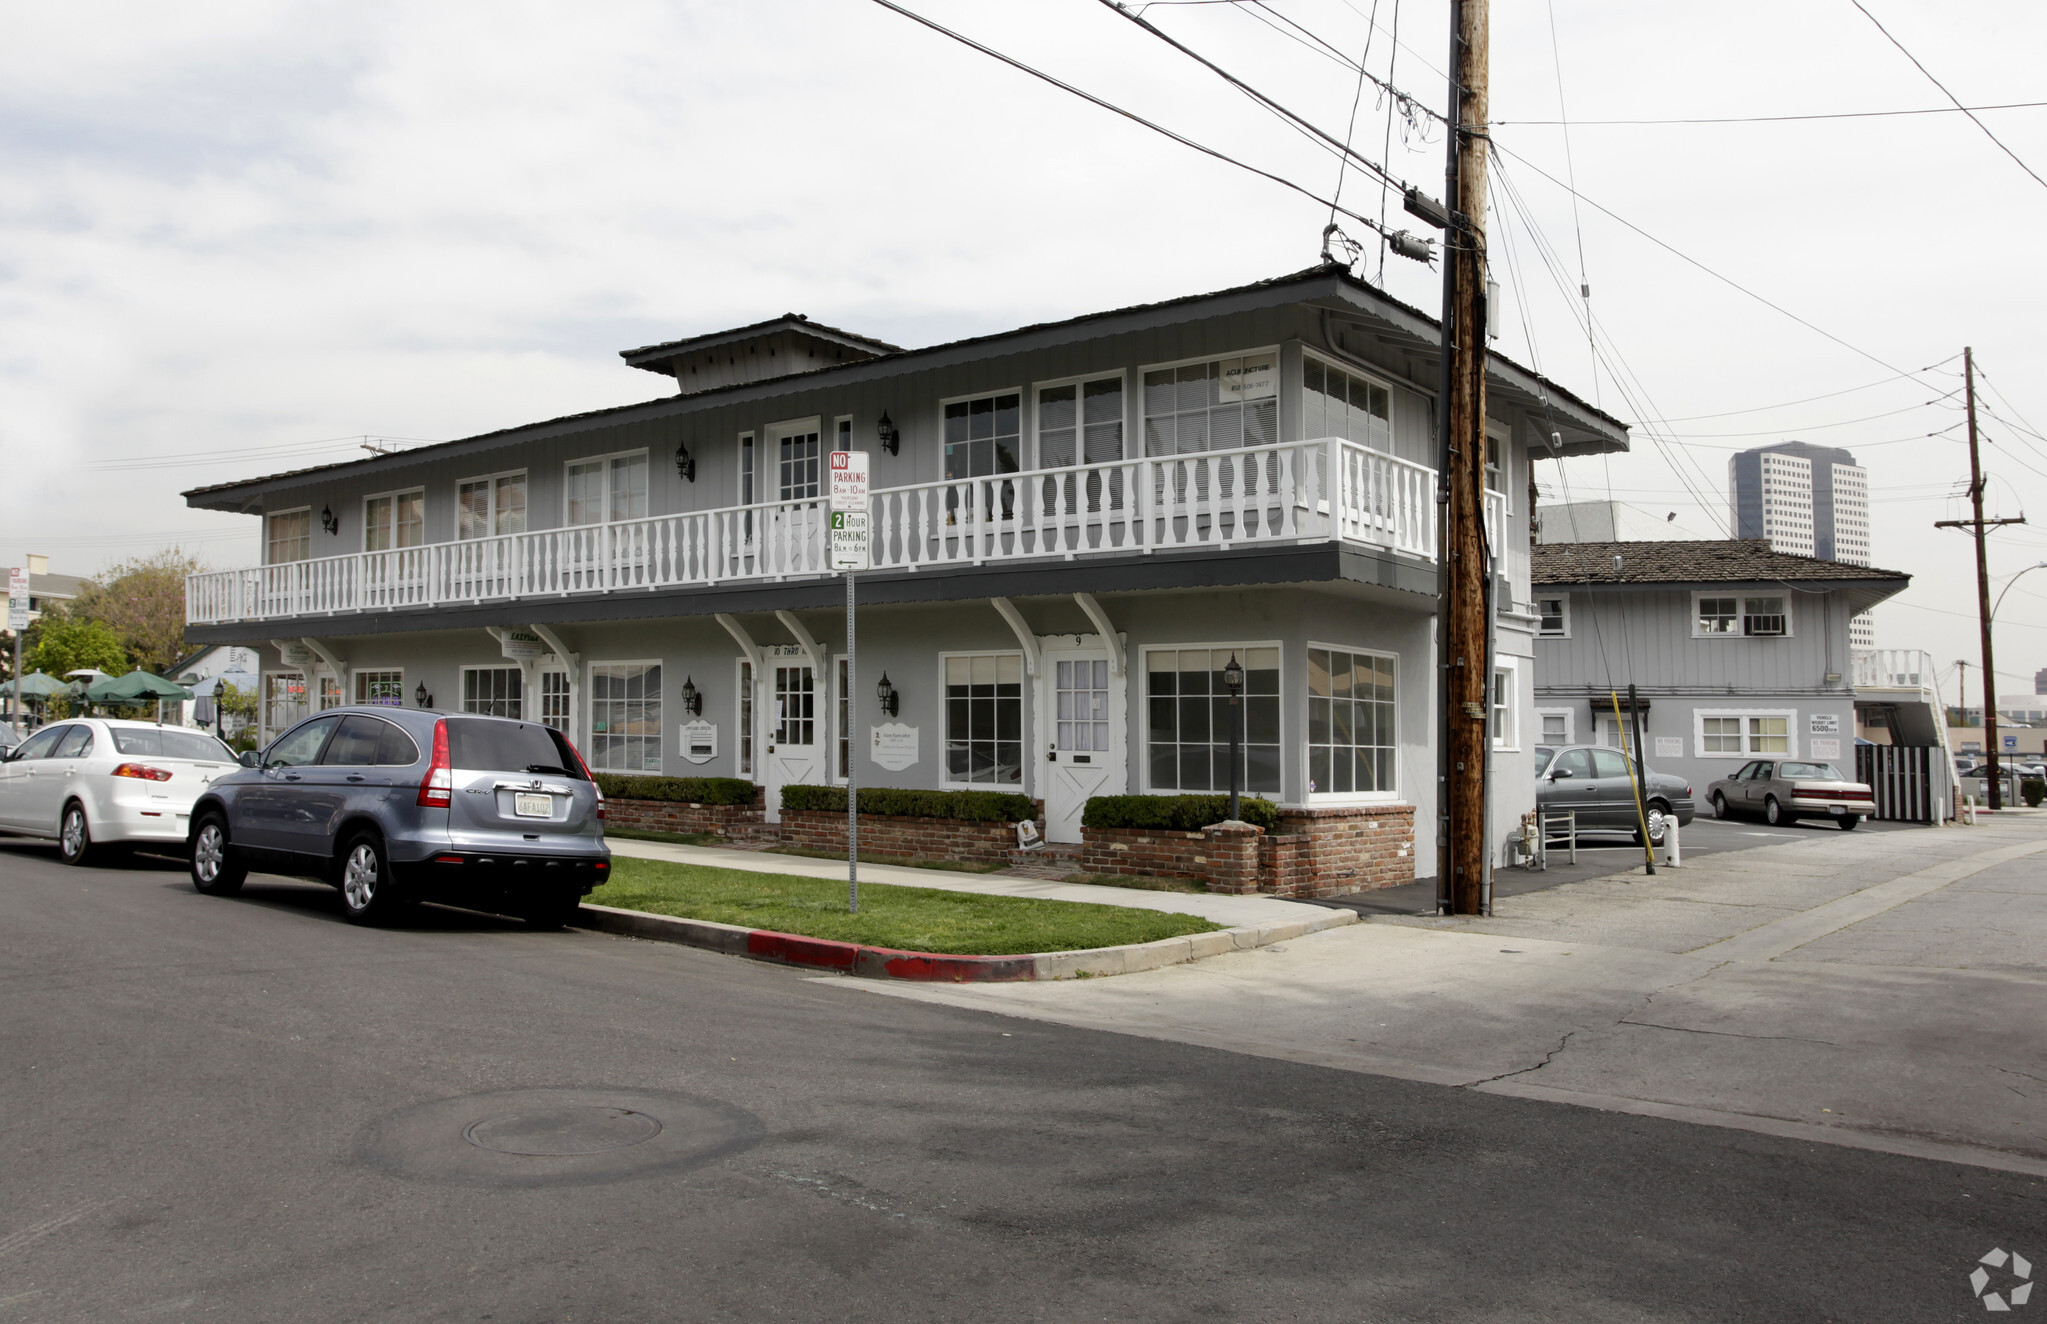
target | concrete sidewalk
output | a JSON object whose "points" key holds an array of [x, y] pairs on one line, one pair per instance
{"points": [[1237, 912], [1885, 991]]}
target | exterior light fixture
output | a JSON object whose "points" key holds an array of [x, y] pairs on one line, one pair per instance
{"points": [[685, 463], [887, 694], [421, 697], [1233, 681], [886, 433], [692, 701], [329, 520]]}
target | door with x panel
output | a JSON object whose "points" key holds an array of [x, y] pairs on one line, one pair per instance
{"points": [[796, 732]]}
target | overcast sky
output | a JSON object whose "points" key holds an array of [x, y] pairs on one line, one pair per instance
{"points": [[236, 237]]}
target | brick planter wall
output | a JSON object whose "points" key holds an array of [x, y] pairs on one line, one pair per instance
{"points": [[1316, 852], [677, 816], [911, 838]]}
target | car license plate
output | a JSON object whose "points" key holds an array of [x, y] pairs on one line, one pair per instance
{"points": [[1832, 809], [529, 805]]}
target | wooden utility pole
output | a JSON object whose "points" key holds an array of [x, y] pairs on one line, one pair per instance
{"points": [[1981, 528], [1464, 608]]}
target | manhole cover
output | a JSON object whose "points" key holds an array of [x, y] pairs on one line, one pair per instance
{"points": [[544, 1137], [562, 1131]]}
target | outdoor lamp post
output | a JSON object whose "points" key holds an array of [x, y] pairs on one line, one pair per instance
{"points": [[1233, 681], [887, 694]]}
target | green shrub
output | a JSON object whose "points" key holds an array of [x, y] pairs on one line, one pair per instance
{"points": [[684, 790], [1174, 813], [2033, 791], [891, 802]]}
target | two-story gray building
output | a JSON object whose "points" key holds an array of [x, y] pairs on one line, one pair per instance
{"points": [[1076, 526], [1735, 651]]}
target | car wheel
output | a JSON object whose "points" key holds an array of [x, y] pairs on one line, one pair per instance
{"points": [[553, 912], [1659, 824], [1849, 822], [215, 870], [368, 895], [74, 836], [1774, 814], [1720, 806]]}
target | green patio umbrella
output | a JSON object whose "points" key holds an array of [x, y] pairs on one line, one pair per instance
{"points": [[36, 685], [137, 687]]}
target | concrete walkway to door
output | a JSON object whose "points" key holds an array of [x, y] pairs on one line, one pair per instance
{"points": [[1233, 911]]}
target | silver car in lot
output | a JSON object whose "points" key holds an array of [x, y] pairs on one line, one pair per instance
{"points": [[397, 805], [98, 785], [1593, 782], [1783, 791]]}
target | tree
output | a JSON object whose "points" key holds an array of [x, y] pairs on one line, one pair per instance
{"points": [[143, 602], [66, 643]]}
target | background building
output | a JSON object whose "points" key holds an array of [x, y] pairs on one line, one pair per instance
{"points": [[1806, 500], [1609, 521]]}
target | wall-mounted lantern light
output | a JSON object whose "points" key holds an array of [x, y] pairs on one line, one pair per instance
{"points": [[329, 520], [685, 463], [421, 697], [887, 694], [886, 433], [692, 701]]}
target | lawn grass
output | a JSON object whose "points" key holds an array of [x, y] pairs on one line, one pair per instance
{"points": [[1139, 882], [917, 919], [672, 838], [900, 861]]}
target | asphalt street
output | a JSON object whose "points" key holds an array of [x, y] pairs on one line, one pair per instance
{"points": [[245, 1109]]}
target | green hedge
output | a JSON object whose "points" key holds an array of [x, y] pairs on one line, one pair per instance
{"points": [[686, 790], [890, 802], [1174, 813], [2033, 791]]}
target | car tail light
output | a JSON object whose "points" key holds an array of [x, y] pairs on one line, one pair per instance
{"points": [[436, 789], [142, 770], [586, 775]]}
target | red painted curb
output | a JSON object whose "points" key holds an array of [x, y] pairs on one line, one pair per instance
{"points": [[885, 962]]}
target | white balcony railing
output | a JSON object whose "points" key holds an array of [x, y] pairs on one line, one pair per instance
{"points": [[1893, 668], [1297, 492]]}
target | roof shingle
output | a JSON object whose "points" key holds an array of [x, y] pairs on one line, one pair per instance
{"points": [[1731, 560]]}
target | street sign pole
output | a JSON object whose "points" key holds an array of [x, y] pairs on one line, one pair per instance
{"points": [[848, 535], [17, 621]]}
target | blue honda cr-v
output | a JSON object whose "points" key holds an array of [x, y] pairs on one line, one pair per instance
{"points": [[397, 805]]}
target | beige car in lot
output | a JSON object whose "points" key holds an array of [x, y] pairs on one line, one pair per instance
{"points": [[1781, 791]]}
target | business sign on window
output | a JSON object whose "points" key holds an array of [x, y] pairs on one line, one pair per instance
{"points": [[1252, 378]]}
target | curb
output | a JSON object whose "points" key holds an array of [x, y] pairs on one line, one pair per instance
{"points": [[865, 962]]}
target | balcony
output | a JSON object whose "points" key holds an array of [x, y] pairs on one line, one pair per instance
{"points": [[1893, 669], [1293, 493]]}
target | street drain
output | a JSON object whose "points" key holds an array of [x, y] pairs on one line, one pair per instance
{"points": [[545, 1137], [562, 1131]]}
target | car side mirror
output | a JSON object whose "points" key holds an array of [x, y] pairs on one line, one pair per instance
{"points": [[248, 758], [1560, 774]]}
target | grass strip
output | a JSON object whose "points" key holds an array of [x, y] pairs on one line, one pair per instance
{"points": [[917, 919], [900, 861]]}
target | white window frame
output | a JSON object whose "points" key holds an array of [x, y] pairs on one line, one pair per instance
{"points": [[1508, 739], [540, 675], [462, 685], [358, 678], [307, 693], [1741, 598], [841, 703], [772, 437], [492, 479], [1347, 797], [1025, 697], [1570, 716], [589, 715], [1141, 702], [606, 459], [842, 430], [1026, 428], [1079, 381], [269, 542], [1280, 416], [746, 470], [1565, 599], [392, 496], [1790, 716], [1503, 433], [745, 750]]}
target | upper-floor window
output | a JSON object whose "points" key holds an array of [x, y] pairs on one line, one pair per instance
{"points": [[489, 507], [983, 435], [607, 489], [1210, 406], [396, 519], [1080, 423], [288, 536], [798, 467], [1731, 614], [1553, 617], [1335, 403]]}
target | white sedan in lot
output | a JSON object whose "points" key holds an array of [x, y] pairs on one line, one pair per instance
{"points": [[95, 782]]}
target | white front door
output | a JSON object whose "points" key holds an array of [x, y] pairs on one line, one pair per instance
{"points": [[1082, 737], [796, 731]]}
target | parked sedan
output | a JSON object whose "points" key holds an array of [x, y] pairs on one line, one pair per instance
{"points": [[397, 805], [1785, 790], [1593, 782], [98, 784]]}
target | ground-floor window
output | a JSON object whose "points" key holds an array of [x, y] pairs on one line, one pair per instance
{"points": [[845, 755], [1187, 707], [1506, 721], [795, 705], [384, 688], [330, 692], [554, 701], [625, 716], [1556, 725], [493, 691], [984, 719], [284, 699], [1081, 689], [1351, 739], [1729, 733], [746, 719]]}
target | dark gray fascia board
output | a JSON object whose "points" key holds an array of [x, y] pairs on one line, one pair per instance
{"points": [[1860, 594], [1237, 568]]}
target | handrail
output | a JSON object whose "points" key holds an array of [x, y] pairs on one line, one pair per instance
{"points": [[1288, 492]]}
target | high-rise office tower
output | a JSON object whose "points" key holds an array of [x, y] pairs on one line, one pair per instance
{"points": [[1808, 500]]}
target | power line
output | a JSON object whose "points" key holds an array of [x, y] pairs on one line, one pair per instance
{"points": [[1785, 119], [1949, 95], [1759, 409]]}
